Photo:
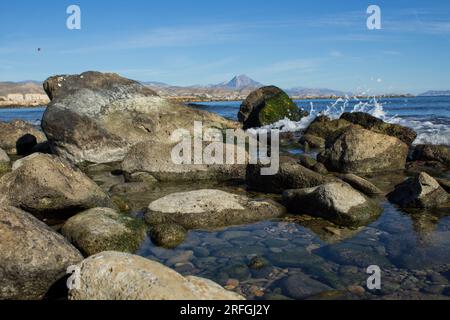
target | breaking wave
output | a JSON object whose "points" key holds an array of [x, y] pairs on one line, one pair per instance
{"points": [[431, 131]]}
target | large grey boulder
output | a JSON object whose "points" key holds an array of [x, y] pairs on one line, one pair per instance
{"points": [[323, 131], [210, 209], [32, 256], [103, 229], [46, 185], [120, 276], [422, 191], [369, 122], [98, 117], [12, 132], [291, 175], [337, 202], [153, 161], [428, 152], [359, 150], [268, 105], [361, 184]]}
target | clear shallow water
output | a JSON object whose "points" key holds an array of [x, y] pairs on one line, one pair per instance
{"points": [[305, 257]]}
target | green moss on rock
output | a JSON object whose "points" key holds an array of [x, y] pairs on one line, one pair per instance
{"points": [[267, 105]]}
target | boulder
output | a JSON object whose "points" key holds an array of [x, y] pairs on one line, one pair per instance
{"points": [[291, 175], [312, 164], [210, 209], [268, 105], [428, 152], [12, 132], [445, 184], [323, 131], [120, 276], [103, 229], [168, 235], [312, 141], [362, 151], [33, 257], [374, 124], [46, 185], [147, 161], [361, 184], [421, 191], [97, 117], [5, 161], [337, 202]]}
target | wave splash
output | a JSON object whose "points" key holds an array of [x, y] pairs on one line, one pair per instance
{"points": [[428, 131]]}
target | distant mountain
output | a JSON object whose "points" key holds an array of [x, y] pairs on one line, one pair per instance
{"points": [[239, 83], [311, 92], [435, 93]]}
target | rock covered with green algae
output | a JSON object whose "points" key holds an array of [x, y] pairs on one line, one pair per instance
{"points": [[168, 235], [102, 229], [268, 105]]}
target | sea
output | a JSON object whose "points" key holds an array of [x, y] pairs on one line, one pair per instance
{"points": [[428, 116]]}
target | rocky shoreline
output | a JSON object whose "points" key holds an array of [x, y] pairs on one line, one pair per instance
{"points": [[106, 138]]}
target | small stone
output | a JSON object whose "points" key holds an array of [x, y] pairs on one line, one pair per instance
{"points": [[232, 284], [257, 263], [357, 290], [182, 257], [168, 235], [256, 291]]}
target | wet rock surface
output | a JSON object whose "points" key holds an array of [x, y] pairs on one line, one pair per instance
{"points": [[421, 191], [337, 202]]}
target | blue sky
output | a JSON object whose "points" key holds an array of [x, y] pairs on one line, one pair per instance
{"points": [[287, 43]]}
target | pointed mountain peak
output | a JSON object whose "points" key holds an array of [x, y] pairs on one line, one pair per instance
{"points": [[240, 82]]}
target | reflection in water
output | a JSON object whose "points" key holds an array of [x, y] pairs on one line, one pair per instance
{"points": [[300, 257]]}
